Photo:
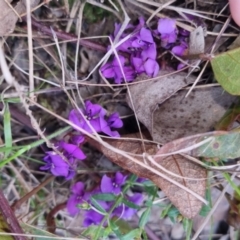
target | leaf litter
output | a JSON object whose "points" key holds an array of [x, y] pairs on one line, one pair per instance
{"points": [[175, 121]]}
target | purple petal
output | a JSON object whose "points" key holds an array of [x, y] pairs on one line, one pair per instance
{"points": [[72, 203], [92, 218], [94, 109], [71, 173], [78, 188], [129, 73], [166, 25], [178, 50], [138, 43], [107, 72], [138, 64], [59, 166], [126, 46], [76, 118], [114, 121], [99, 124], [116, 62], [120, 179], [150, 52], [77, 139], [146, 35], [151, 67], [180, 66], [73, 150], [106, 184], [107, 130]]}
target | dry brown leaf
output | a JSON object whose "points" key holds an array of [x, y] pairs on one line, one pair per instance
{"points": [[147, 95], [180, 117], [187, 204], [9, 17], [194, 178]]}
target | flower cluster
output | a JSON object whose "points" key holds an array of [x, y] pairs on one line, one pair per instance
{"points": [[93, 118], [138, 54], [110, 185]]}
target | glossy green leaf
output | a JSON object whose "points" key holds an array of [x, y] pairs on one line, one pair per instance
{"points": [[226, 68]]}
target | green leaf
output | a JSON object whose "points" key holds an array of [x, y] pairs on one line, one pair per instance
{"points": [[226, 68], [130, 204], [122, 225], [7, 129], [114, 227], [91, 232], [187, 225], [144, 218], [134, 234], [151, 190], [206, 208], [224, 146], [98, 206], [166, 210], [104, 197]]}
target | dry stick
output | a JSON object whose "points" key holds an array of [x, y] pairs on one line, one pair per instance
{"points": [[51, 226], [19, 202], [67, 36], [9, 218], [30, 48], [211, 53]]}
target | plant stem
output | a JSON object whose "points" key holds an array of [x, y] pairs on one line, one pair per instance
{"points": [[66, 36]]}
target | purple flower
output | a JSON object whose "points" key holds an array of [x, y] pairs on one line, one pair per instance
{"points": [[167, 29], [113, 70], [56, 164], [112, 185], [78, 196], [126, 212], [93, 115]]}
